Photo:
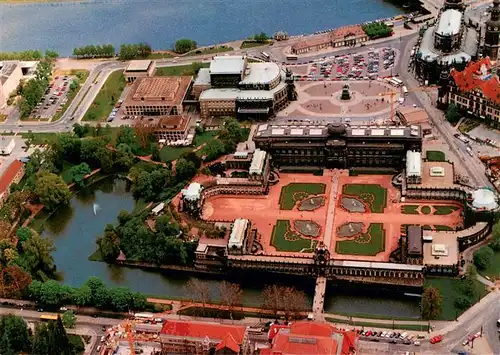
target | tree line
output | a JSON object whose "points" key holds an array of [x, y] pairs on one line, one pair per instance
{"points": [[94, 51], [23, 55], [377, 30], [47, 339]]}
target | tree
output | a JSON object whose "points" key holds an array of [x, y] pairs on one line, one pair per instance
{"points": [[282, 298], [51, 190], [213, 149], [184, 170], [13, 281], [80, 130], [14, 336], [199, 291], [261, 37], [30, 138], [155, 154], [37, 257], [69, 319], [108, 244], [98, 291], [196, 66], [495, 237], [230, 295], [432, 303], [78, 173], [82, 296], [52, 294], [483, 257], [193, 158], [120, 298], [453, 113], [23, 234], [462, 302], [184, 45]]}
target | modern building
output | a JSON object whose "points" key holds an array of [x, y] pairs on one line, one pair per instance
{"points": [[492, 33], [172, 128], [7, 145], [346, 36], [309, 337], [157, 96], [139, 69], [11, 172], [202, 338], [302, 142], [449, 42], [413, 167], [233, 87], [475, 90]]}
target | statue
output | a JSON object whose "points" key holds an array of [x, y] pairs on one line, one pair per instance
{"points": [[346, 95]]}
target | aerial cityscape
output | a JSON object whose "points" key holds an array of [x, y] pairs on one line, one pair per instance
{"points": [[328, 183]]}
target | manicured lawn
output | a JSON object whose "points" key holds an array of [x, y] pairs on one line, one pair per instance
{"points": [[444, 210], [283, 239], [442, 228], [204, 137], [72, 94], [494, 270], [156, 55], [374, 195], [450, 289], [409, 209], [435, 155], [251, 44], [425, 210], [41, 138], [209, 50], [294, 192], [172, 153], [370, 243], [103, 103], [178, 70]]}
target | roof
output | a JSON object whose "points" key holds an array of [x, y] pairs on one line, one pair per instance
{"points": [[201, 330], [468, 48], [449, 23], [139, 65], [227, 64], [9, 168], [312, 42], [258, 160], [477, 76], [414, 115], [377, 265], [192, 192], [170, 90], [237, 94], [414, 235], [219, 94], [484, 199], [5, 142], [443, 250], [345, 31], [240, 226], [173, 123], [413, 163], [203, 77], [158, 208], [228, 342], [261, 73]]}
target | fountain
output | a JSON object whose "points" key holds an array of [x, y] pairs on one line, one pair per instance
{"points": [[96, 208]]}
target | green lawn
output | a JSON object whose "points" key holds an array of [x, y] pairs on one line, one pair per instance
{"points": [[172, 153], [72, 94], [409, 209], [178, 70], [443, 228], [435, 155], [294, 241], [156, 55], [414, 327], [450, 289], [252, 44], [370, 243], [41, 138], [444, 210], [294, 192], [103, 103], [425, 210], [209, 50], [374, 195], [494, 270], [204, 137]]}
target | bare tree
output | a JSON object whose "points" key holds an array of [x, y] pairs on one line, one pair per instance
{"points": [[143, 131], [295, 302], [230, 295], [283, 298], [199, 291]]}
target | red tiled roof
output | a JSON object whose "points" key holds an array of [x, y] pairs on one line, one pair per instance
{"points": [[9, 174], [289, 344], [228, 342], [312, 328], [317, 41], [473, 77], [274, 329], [203, 330], [342, 32]]}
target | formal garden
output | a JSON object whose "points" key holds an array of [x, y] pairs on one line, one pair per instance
{"points": [[373, 195], [369, 244], [438, 210], [435, 155], [295, 192], [284, 239]]}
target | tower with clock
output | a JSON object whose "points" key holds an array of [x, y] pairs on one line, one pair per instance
{"points": [[492, 34]]}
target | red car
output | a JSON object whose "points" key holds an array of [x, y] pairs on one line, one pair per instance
{"points": [[436, 339]]}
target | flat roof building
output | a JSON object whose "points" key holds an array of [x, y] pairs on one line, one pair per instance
{"points": [[239, 231], [172, 128], [139, 69], [157, 96], [413, 167], [7, 145]]}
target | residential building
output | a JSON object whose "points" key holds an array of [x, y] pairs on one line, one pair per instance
{"points": [[309, 337], [7, 145], [249, 91], [341, 37], [202, 338], [139, 69], [11, 172], [172, 128], [302, 142], [157, 96], [475, 90]]}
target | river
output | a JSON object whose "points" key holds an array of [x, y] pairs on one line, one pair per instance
{"points": [[75, 228], [64, 25]]}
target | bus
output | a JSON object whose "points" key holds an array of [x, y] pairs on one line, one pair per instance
{"points": [[48, 316], [292, 57], [389, 24], [265, 56], [396, 82], [144, 316], [405, 91]]}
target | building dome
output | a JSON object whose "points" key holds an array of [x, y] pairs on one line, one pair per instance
{"points": [[494, 20], [484, 199], [336, 129]]}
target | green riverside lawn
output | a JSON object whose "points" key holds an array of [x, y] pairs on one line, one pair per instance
{"points": [[105, 100], [295, 192]]}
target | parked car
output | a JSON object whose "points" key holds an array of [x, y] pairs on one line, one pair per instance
{"points": [[436, 339]]}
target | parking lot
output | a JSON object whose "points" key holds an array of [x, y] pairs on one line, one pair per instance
{"points": [[54, 99], [368, 65]]}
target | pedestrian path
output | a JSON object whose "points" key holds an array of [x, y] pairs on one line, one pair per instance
{"points": [[319, 298]]}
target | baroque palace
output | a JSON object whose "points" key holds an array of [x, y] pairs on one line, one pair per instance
{"points": [[301, 143]]}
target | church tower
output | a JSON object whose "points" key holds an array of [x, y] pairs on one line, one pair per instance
{"points": [[492, 34]]}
